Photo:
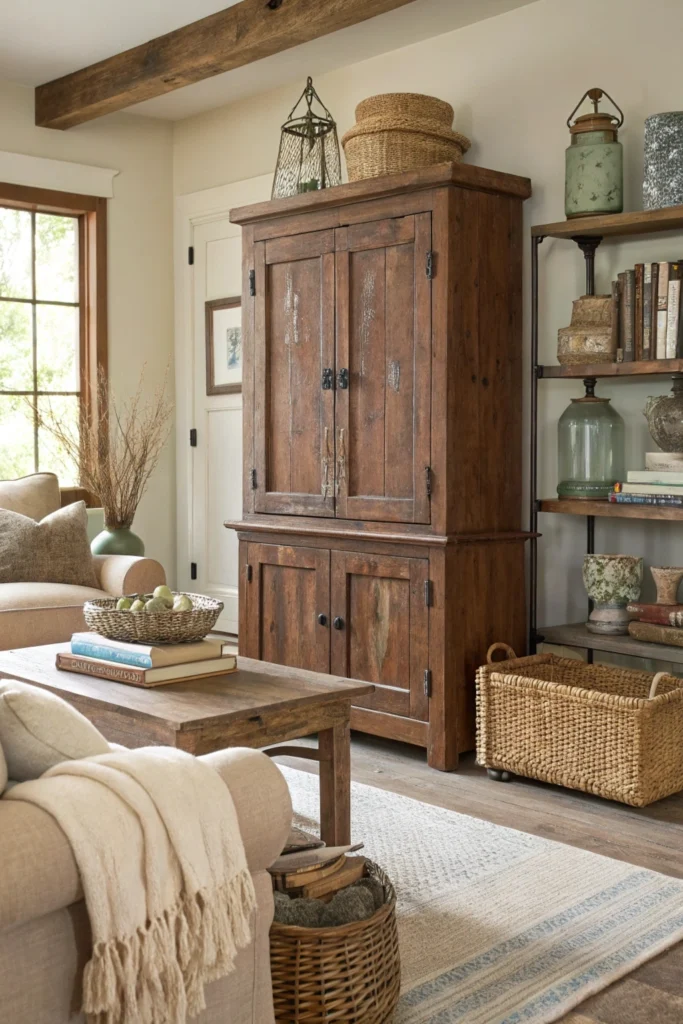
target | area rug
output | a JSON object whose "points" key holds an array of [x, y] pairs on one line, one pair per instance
{"points": [[497, 926]]}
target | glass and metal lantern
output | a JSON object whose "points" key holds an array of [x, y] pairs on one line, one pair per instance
{"points": [[590, 446], [309, 148], [594, 176]]}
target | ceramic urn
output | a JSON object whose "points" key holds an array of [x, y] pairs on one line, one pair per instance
{"points": [[611, 582]]}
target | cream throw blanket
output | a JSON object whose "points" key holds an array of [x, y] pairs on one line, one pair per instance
{"points": [[155, 835]]}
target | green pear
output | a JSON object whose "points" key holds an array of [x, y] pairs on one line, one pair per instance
{"points": [[182, 603], [156, 604], [165, 594], [137, 606], [123, 604]]}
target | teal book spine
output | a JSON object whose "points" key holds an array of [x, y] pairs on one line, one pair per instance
{"points": [[103, 653]]}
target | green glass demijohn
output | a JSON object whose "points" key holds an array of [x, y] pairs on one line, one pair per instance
{"points": [[594, 163], [590, 436]]}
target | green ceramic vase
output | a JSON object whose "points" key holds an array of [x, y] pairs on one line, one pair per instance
{"points": [[117, 541]]}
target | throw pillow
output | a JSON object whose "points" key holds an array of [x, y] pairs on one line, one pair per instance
{"points": [[39, 730], [3, 772], [55, 550], [35, 496]]}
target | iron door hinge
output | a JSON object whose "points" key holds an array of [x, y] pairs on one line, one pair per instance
{"points": [[190, 255], [328, 379], [193, 570], [428, 682], [253, 479], [252, 282], [428, 593], [428, 480], [193, 437], [249, 574], [343, 379], [429, 268]]}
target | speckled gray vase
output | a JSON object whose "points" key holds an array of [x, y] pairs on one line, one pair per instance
{"points": [[663, 160], [611, 581], [664, 415]]}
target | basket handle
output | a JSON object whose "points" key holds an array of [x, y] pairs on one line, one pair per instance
{"points": [[655, 683], [509, 654]]}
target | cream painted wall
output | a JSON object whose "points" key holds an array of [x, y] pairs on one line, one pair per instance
{"points": [[512, 80], [140, 263]]}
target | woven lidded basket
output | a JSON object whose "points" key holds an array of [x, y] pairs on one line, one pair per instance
{"points": [[401, 131], [153, 627], [350, 974], [589, 727]]}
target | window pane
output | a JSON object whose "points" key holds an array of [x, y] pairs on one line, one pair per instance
{"points": [[16, 437], [56, 258], [52, 457], [57, 342], [16, 349], [15, 253]]}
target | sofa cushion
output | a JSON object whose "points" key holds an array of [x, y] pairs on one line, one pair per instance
{"points": [[35, 496], [3, 770], [40, 596], [39, 730], [55, 550]]}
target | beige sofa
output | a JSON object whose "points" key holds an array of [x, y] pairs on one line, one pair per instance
{"points": [[48, 613], [44, 930]]}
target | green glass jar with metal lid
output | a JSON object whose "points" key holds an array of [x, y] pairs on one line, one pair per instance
{"points": [[590, 435], [594, 163]]}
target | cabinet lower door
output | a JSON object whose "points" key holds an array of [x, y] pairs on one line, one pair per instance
{"points": [[380, 628], [287, 592]]}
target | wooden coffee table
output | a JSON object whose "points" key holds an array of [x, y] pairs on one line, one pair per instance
{"points": [[256, 706]]}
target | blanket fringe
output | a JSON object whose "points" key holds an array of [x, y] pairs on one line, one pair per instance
{"points": [[157, 975]]}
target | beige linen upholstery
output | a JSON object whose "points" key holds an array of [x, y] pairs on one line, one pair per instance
{"points": [[35, 496], [44, 931], [128, 574]]}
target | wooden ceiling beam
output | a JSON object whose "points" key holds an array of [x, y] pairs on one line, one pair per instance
{"points": [[246, 32]]}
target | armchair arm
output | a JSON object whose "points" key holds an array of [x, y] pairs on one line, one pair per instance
{"points": [[128, 574]]}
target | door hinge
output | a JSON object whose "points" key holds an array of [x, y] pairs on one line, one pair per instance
{"points": [[249, 574], [193, 570], [428, 480], [429, 268], [428, 593], [252, 282], [193, 437], [190, 255], [253, 479], [428, 682]]}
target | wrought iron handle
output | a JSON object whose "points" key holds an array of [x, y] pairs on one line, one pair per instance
{"points": [[322, 619], [338, 623], [341, 459], [595, 95], [328, 379], [343, 379], [325, 466]]}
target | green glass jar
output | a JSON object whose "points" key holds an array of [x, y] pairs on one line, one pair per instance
{"points": [[594, 163], [590, 436]]}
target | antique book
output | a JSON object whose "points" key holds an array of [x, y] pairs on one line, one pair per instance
{"points": [[145, 677], [654, 291], [351, 871], [657, 613], [626, 310], [616, 342], [672, 489], [669, 500], [672, 314], [647, 309], [94, 645], [639, 276], [662, 303], [654, 476], [655, 634]]}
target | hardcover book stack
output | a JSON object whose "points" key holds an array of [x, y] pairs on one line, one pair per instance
{"points": [[660, 483], [646, 312], [139, 665], [657, 623]]}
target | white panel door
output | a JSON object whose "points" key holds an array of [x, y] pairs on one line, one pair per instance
{"points": [[217, 459]]}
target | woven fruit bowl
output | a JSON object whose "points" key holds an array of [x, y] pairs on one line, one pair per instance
{"points": [[168, 627]]}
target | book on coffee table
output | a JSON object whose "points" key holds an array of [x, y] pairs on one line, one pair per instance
{"points": [[146, 677], [95, 645]]}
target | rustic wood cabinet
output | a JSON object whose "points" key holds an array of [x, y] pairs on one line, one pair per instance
{"points": [[381, 531]]}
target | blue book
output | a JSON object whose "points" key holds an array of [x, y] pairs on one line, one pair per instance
{"points": [[94, 645]]}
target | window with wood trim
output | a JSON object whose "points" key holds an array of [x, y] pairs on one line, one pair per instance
{"points": [[53, 320]]}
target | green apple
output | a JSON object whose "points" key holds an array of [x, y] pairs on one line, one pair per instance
{"points": [[156, 604], [165, 594], [182, 603], [123, 604], [137, 606]]}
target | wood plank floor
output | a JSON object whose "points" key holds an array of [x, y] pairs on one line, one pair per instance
{"points": [[651, 837]]}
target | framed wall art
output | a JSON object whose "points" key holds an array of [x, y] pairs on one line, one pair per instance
{"points": [[223, 346]]}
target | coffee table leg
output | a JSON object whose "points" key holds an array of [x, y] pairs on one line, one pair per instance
{"points": [[334, 746]]}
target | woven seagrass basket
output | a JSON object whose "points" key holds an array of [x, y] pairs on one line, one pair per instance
{"points": [[401, 131], [349, 974], [153, 627], [609, 731]]}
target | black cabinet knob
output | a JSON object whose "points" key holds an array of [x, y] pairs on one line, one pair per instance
{"points": [[322, 619], [338, 623]]}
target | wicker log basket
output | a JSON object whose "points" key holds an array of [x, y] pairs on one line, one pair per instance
{"points": [[351, 973], [613, 732], [145, 627], [401, 131]]}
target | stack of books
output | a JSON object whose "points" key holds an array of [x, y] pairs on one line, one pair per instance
{"points": [[661, 483], [656, 623], [646, 312], [139, 665]]}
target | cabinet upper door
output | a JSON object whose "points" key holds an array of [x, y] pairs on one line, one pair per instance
{"points": [[293, 347], [383, 349]]}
